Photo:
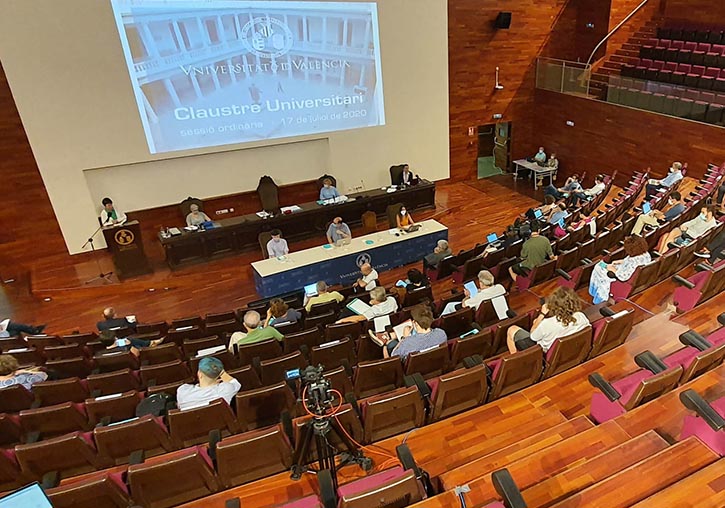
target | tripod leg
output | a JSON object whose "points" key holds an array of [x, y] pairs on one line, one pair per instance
{"points": [[356, 455], [300, 456], [327, 457]]}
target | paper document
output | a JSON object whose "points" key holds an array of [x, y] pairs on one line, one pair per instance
{"points": [[380, 323], [500, 306], [293, 208], [400, 329], [209, 351], [358, 306]]}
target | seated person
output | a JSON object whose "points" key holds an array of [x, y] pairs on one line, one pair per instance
{"points": [[559, 317], [418, 337], [584, 220], [279, 313], [558, 213], [540, 155], [110, 321], [328, 191], [442, 250], [323, 296], [277, 246], [253, 331], [404, 220], [11, 374], [414, 280], [715, 250], [9, 328], [588, 194], [534, 252], [551, 164], [380, 305], [675, 207], [109, 215], [196, 217], [572, 185], [675, 175], [721, 197], [689, 230], [369, 277], [113, 343], [406, 177], [487, 290], [214, 383], [636, 249], [338, 232]]}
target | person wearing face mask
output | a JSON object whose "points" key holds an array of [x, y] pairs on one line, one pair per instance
{"points": [[338, 231], [689, 230], [673, 176], [404, 220], [540, 155], [277, 246], [328, 191], [653, 218]]}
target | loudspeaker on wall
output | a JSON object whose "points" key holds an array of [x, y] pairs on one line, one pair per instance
{"points": [[503, 20]]}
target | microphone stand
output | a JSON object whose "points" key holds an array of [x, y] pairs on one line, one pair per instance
{"points": [[101, 275]]}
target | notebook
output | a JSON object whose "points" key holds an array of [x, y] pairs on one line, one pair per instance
{"points": [[358, 306]]}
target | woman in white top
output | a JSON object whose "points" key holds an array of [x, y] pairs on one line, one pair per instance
{"points": [[196, 217], [623, 269], [560, 316]]}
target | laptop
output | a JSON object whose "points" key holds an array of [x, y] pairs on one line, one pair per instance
{"points": [[492, 238], [538, 213], [646, 207], [311, 290], [562, 223], [31, 496]]}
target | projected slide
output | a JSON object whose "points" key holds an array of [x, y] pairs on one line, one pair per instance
{"points": [[214, 72]]}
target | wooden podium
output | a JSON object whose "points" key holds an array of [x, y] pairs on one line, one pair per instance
{"points": [[124, 243]]}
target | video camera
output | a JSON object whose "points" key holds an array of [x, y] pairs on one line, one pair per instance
{"points": [[318, 397]]}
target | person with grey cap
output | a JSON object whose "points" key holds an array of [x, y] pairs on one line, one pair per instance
{"points": [[214, 383]]}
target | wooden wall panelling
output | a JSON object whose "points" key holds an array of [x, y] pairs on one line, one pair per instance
{"points": [[707, 12]]}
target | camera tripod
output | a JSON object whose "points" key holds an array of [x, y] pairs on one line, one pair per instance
{"points": [[321, 428]]}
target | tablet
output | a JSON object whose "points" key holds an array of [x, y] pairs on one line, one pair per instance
{"points": [[471, 287], [31, 496], [646, 207]]}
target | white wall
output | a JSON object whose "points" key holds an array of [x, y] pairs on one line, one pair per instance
{"points": [[64, 62]]}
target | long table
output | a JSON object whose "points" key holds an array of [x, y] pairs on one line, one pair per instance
{"points": [[536, 171], [241, 233], [341, 265]]}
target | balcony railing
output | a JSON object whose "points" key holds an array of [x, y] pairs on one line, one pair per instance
{"points": [[562, 76]]}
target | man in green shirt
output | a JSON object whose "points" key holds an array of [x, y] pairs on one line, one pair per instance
{"points": [[534, 252], [254, 332]]}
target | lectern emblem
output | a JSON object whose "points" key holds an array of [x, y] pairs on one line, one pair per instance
{"points": [[124, 237], [267, 37], [363, 258]]}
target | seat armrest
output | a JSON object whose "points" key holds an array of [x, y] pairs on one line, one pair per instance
{"points": [[683, 282], [472, 361], [597, 381], [721, 319], [507, 489], [702, 267], [694, 402], [606, 312], [648, 360], [694, 339], [418, 381], [563, 274]]}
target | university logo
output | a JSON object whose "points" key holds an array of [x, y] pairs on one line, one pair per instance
{"points": [[124, 237], [363, 258], [267, 37]]}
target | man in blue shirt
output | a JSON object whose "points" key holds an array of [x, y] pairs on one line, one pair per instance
{"points": [[419, 337], [572, 185], [338, 232], [676, 207], [675, 175], [328, 191]]}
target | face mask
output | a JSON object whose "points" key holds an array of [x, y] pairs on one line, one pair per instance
{"points": [[703, 217], [670, 202], [403, 212]]}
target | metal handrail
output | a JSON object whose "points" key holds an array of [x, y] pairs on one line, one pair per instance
{"points": [[613, 30]]}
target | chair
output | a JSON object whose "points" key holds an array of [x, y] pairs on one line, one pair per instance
{"points": [[369, 222], [113, 382], [67, 455], [70, 367], [247, 457], [161, 327], [10, 475], [262, 407], [567, 352], [264, 350], [71, 389], [79, 338], [341, 330], [480, 343], [643, 277], [308, 338], [323, 308], [273, 370], [116, 408], [220, 328], [396, 172], [172, 479], [263, 238], [537, 275], [186, 322], [629, 392], [696, 288], [116, 360], [10, 432], [98, 491], [391, 413], [610, 332], [180, 334], [15, 398], [418, 295], [268, 193], [246, 376], [512, 372], [346, 417], [159, 354], [334, 353], [377, 376], [501, 329], [393, 487], [391, 212], [63, 352], [192, 426], [457, 323], [53, 420], [116, 443], [428, 363], [192, 347], [707, 422], [457, 391], [321, 320], [164, 373]]}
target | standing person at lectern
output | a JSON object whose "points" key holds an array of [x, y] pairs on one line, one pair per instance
{"points": [[277, 246], [338, 232], [328, 191], [109, 215]]}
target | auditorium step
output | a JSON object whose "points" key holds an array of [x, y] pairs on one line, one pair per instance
{"points": [[645, 478], [598, 468], [519, 449], [703, 489]]}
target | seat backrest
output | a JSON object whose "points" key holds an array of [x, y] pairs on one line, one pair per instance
{"points": [[179, 335], [115, 360], [79, 338], [116, 443], [69, 454], [611, 332], [72, 350], [418, 295], [118, 407], [268, 194], [389, 488], [10, 475], [64, 390], [262, 406], [652, 387], [247, 377], [321, 320], [253, 455], [458, 391], [323, 308], [220, 328], [391, 211], [15, 398], [377, 376], [10, 432], [703, 362], [186, 322], [54, 420], [391, 413], [340, 330], [309, 338], [161, 326], [164, 373], [172, 479], [500, 330], [514, 372], [263, 350], [457, 323], [647, 277], [98, 491], [191, 347], [544, 272], [334, 353], [192, 426], [113, 382], [369, 222], [273, 370], [478, 344], [395, 173], [429, 363], [219, 317], [567, 352], [159, 354]]}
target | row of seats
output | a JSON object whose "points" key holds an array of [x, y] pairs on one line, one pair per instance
{"points": [[713, 35], [703, 53], [666, 104], [696, 76], [706, 283]]}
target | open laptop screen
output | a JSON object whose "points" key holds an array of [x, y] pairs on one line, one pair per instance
{"points": [[492, 238]]}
